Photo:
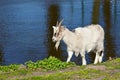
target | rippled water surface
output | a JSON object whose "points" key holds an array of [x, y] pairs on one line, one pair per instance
{"points": [[26, 27]]}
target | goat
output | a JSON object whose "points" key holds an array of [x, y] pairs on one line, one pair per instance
{"points": [[86, 39]]}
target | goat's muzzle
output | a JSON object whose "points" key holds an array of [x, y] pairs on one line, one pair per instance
{"points": [[53, 39]]}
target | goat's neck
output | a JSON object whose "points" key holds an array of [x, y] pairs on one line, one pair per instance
{"points": [[67, 36]]}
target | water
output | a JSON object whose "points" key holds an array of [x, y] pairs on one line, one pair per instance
{"points": [[26, 27]]}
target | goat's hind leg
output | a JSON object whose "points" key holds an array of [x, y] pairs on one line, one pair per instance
{"points": [[100, 56], [96, 58], [70, 53]]}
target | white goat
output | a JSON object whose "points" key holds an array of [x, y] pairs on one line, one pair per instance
{"points": [[89, 38]]}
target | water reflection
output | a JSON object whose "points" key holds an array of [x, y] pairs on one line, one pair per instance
{"points": [[115, 12], [96, 11], [82, 13], [1, 54], [12, 2], [3, 34], [109, 46], [53, 17]]}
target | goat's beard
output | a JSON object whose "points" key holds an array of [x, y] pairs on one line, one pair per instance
{"points": [[57, 45]]}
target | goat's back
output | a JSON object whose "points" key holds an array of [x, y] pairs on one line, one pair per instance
{"points": [[93, 35], [91, 32]]}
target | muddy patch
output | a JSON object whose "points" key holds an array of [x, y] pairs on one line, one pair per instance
{"points": [[96, 67]]}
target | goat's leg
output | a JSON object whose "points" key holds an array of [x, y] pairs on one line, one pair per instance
{"points": [[101, 56], [96, 58], [70, 53], [83, 58]]}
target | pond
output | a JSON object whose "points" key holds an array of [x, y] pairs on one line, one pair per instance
{"points": [[26, 27]]}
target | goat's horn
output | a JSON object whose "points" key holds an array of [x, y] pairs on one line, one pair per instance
{"points": [[57, 23], [60, 22]]}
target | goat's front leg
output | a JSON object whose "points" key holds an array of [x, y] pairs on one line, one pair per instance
{"points": [[70, 53], [83, 58]]}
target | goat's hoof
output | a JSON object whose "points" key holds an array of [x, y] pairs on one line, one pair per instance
{"points": [[95, 63], [83, 64]]}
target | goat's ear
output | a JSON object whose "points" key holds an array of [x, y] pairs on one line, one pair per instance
{"points": [[64, 27], [53, 27]]}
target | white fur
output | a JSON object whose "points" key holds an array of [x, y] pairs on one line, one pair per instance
{"points": [[70, 53], [83, 39], [100, 58]]}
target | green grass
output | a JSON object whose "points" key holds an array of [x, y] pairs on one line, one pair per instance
{"points": [[54, 69], [113, 64], [10, 68], [51, 63], [70, 75]]}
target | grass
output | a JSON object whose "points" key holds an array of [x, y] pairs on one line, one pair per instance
{"points": [[112, 64], [9, 68], [70, 75], [51, 63], [54, 69]]}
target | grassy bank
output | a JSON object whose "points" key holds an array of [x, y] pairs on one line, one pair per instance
{"points": [[54, 69]]}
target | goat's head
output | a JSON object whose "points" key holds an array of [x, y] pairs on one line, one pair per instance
{"points": [[58, 33]]}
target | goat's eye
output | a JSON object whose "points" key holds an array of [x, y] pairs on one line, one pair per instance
{"points": [[54, 34]]}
